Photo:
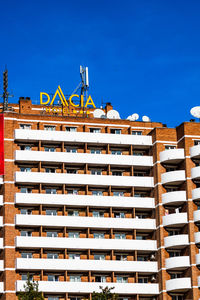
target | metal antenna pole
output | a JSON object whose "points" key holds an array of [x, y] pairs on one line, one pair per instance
{"points": [[5, 94]]}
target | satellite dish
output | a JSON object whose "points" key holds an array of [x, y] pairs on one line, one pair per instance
{"points": [[135, 117], [113, 114], [129, 118], [98, 113], [146, 119], [195, 111]]}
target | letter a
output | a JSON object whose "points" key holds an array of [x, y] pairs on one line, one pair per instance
{"points": [[61, 96], [90, 102]]}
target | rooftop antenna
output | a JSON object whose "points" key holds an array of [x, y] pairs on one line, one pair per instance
{"points": [[5, 94], [84, 84]]}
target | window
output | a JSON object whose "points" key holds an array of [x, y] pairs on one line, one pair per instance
{"points": [[174, 232], [71, 171], [53, 298], [95, 151], [73, 213], [117, 173], [141, 237], [96, 172], [135, 132], [50, 170], [174, 253], [97, 193], [71, 150], [73, 234], [138, 194], [95, 130], [26, 255], [171, 189], [98, 214], [71, 129], [116, 152], [25, 277], [98, 235], [100, 278], [141, 216], [142, 258], [25, 147], [50, 191], [119, 215], [52, 234], [122, 279], [115, 131], [197, 142], [75, 278], [25, 211], [49, 127], [25, 190], [99, 256], [49, 149], [170, 169], [72, 192], [53, 278], [74, 256], [169, 147], [120, 236], [25, 126], [138, 153], [118, 194], [121, 257], [143, 280], [178, 297], [25, 169], [51, 212], [52, 255], [176, 275], [25, 233]]}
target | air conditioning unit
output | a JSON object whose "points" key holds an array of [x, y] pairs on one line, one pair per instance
{"points": [[152, 257], [153, 278]]}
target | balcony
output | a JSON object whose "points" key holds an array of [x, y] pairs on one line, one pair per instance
{"points": [[1, 265], [1, 179], [176, 241], [84, 222], [83, 158], [197, 237], [197, 216], [84, 243], [177, 219], [178, 284], [195, 173], [1, 221], [90, 287], [83, 179], [173, 177], [174, 198], [198, 259], [196, 194], [85, 265], [195, 151], [84, 200], [1, 287], [177, 263], [1, 200], [173, 156], [82, 137]]}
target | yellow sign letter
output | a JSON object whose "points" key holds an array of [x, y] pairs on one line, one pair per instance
{"points": [[70, 100], [89, 102], [41, 98], [59, 92]]}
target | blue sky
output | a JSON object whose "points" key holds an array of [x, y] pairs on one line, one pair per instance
{"points": [[143, 56]]}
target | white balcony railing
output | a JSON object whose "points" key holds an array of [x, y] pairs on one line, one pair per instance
{"points": [[195, 151], [82, 137], [176, 241], [173, 177], [90, 287], [85, 243], [174, 198], [196, 215], [196, 194], [84, 200], [178, 284], [83, 179], [175, 219], [172, 156], [85, 265], [195, 173], [177, 263], [83, 158], [84, 222]]}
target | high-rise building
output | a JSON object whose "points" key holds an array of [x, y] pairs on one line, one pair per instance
{"points": [[89, 202]]}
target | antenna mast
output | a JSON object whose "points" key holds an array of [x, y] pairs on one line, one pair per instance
{"points": [[84, 81], [6, 94]]}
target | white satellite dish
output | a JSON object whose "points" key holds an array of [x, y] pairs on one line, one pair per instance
{"points": [[146, 119], [98, 113], [135, 117], [129, 118], [195, 111], [113, 114]]}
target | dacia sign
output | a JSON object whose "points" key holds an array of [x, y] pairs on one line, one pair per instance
{"points": [[45, 100]]}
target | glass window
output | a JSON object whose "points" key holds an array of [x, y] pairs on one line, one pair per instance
{"points": [[118, 194], [25, 169], [119, 214], [116, 152], [176, 275], [71, 129], [49, 127], [74, 256], [142, 258], [53, 278], [52, 255], [71, 171], [95, 151], [96, 172], [51, 212], [25, 277], [136, 132], [116, 173], [169, 147], [73, 213], [25, 126], [53, 298], [97, 193], [73, 234], [72, 192], [25, 190], [49, 149], [26, 255], [52, 234], [115, 131], [25, 211], [25, 233], [122, 279], [121, 257], [98, 235], [71, 150], [140, 237], [120, 236], [50, 191], [75, 278], [143, 280], [99, 257], [100, 278], [24, 147], [50, 170], [98, 214], [197, 142], [95, 130]]}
